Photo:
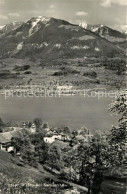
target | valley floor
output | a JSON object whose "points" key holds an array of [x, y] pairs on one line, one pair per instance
{"points": [[79, 73]]}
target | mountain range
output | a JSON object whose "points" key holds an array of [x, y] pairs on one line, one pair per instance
{"points": [[114, 36], [9, 27], [54, 38]]}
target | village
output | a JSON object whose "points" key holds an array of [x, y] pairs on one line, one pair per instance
{"points": [[50, 135]]}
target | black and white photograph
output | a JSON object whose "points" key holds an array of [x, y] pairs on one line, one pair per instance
{"points": [[63, 99]]}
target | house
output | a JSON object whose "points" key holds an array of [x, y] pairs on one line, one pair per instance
{"points": [[49, 134], [52, 139], [5, 140], [86, 134], [10, 149], [80, 138], [24, 125], [33, 128], [47, 129], [84, 138], [65, 137], [88, 137], [5, 145]]}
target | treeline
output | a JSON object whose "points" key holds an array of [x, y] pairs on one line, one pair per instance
{"points": [[118, 65]]}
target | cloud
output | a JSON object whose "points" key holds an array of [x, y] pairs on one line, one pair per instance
{"points": [[105, 3], [119, 2], [51, 9], [81, 13], [52, 6], [108, 3], [14, 14], [3, 17]]}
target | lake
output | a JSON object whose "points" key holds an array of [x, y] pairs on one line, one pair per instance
{"points": [[73, 111]]}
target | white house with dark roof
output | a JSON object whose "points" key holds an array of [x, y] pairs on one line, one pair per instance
{"points": [[52, 139], [5, 139]]}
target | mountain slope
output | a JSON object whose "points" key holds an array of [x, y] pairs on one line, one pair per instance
{"points": [[9, 27], [54, 38], [114, 36]]}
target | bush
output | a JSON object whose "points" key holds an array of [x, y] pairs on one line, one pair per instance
{"points": [[22, 68], [60, 73], [92, 74], [66, 71], [27, 72], [4, 72]]}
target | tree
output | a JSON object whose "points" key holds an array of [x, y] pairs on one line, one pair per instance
{"points": [[38, 122], [54, 158], [119, 106], [1, 123], [118, 135], [29, 124], [17, 143], [36, 138], [1, 130], [75, 133], [67, 130], [41, 148], [89, 162], [41, 151], [84, 131], [29, 157], [45, 126]]}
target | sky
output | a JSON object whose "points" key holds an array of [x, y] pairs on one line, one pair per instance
{"points": [[112, 13]]}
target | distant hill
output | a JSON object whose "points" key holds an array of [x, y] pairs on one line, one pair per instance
{"points": [[9, 27], [53, 38], [114, 36]]}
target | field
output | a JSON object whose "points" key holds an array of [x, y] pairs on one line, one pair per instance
{"points": [[80, 73]]}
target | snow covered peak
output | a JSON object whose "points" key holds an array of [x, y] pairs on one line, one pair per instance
{"points": [[36, 23], [95, 28], [83, 25], [9, 27], [1, 27], [45, 20], [40, 19], [91, 27]]}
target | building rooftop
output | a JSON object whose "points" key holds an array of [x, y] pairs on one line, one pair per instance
{"points": [[6, 137], [80, 137]]}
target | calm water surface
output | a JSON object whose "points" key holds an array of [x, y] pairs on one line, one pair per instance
{"points": [[73, 111]]}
